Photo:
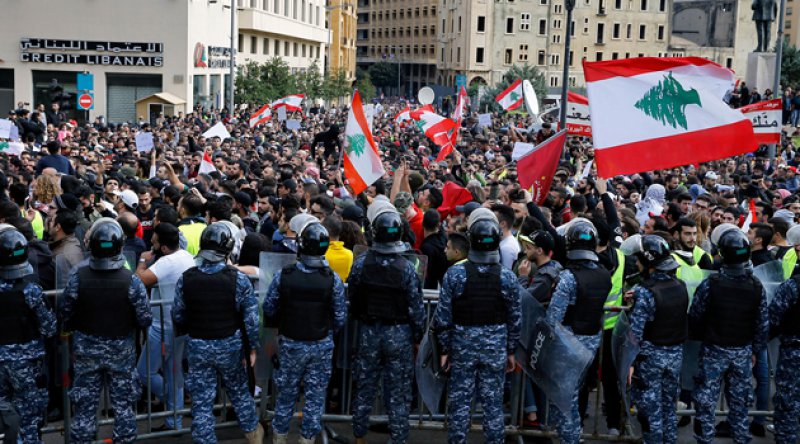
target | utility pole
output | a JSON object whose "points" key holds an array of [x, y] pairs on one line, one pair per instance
{"points": [[570, 5], [233, 57]]}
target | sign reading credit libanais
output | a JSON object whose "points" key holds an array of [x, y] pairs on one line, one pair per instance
{"points": [[36, 50]]}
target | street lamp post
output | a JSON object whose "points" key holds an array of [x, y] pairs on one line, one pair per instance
{"points": [[232, 57], [570, 5], [776, 92]]}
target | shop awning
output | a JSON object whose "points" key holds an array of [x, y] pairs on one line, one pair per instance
{"points": [[165, 96]]}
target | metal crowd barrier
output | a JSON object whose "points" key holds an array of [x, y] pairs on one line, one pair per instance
{"points": [[422, 419]]}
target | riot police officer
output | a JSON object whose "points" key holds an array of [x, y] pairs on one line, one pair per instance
{"points": [[307, 302], [659, 322], [215, 306], [784, 319], [729, 315], [386, 297], [478, 322], [25, 320], [104, 303], [578, 304]]}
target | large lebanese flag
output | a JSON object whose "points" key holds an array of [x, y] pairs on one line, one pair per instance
{"points": [[766, 118], [512, 97], [262, 115], [653, 113], [293, 102], [403, 115], [578, 118], [461, 105], [436, 127], [537, 168], [362, 163]]}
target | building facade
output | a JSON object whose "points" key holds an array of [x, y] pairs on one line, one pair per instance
{"points": [[293, 30], [341, 19], [130, 59], [403, 33]]}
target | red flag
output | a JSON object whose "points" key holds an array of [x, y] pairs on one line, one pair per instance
{"points": [[452, 196], [537, 168]]}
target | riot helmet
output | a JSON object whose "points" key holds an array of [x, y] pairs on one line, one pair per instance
{"points": [[387, 233], [313, 241], [14, 255], [734, 247], [216, 242], [655, 253], [582, 241], [105, 245], [484, 241]]}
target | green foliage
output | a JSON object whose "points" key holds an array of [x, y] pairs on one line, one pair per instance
{"points": [[790, 67], [365, 87], [309, 82], [667, 101], [257, 84], [336, 85], [383, 74], [526, 71]]}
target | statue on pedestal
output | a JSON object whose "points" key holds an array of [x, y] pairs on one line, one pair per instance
{"points": [[764, 13]]}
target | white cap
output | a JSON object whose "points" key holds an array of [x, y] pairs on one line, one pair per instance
{"points": [[129, 198]]}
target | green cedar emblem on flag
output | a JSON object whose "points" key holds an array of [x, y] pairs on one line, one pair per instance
{"points": [[667, 101], [356, 144], [514, 96]]}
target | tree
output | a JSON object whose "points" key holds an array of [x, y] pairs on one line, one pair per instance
{"points": [[310, 82], [790, 67], [526, 71], [383, 74], [261, 83], [364, 85], [336, 85]]}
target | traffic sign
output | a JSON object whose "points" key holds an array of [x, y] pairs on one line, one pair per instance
{"points": [[85, 82], [86, 101]]}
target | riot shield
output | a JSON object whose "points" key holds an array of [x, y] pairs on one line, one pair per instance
{"points": [[269, 264], [551, 355], [624, 349], [770, 274], [431, 380], [419, 261]]}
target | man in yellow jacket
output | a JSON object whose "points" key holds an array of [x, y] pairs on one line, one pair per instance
{"points": [[340, 259]]}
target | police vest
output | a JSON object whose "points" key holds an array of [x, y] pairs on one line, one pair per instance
{"points": [[104, 308], [210, 300], [615, 295], [482, 302], [586, 315], [670, 325], [306, 301], [379, 296], [789, 261], [790, 322], [732, 312], [18, 324]]}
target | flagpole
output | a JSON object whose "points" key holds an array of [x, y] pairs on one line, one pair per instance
{"points": [[570, 5], [776, 93]]}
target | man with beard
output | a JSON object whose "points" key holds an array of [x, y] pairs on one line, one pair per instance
{"points": [[687, 252]]}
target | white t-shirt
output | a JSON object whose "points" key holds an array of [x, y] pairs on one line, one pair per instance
{"points": [[509, 250], [167, 270]]}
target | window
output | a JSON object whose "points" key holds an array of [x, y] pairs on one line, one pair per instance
{"points": [[553, 81], [509, 25], [601, 7], [294, 10], [525, 22], [556, 38], [642, 32], [442, 55], [286, 49], [294, 53], [571, 59], [614, 55], [628, 31], [265, 46], [662, 5], [278, 48], [789, 11], [572, 29], [729, 62], [601, 27], [599, 57], [557, 9], [542, 2], [542, 26], [788, 25], [557, 24], [660, 35], [586, 25], [615, 30], [303, 50], [617, 4], [555, 59], [523, 53], [643, 5], [541, 59], [572, 81], [481, 23], [458, 54], [253, 44], [275, 6], [459, 24], [509, 56], [479, 55]]}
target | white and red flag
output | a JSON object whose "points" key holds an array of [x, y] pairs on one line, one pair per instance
{"points": [[362, 163], [206, 165], [512, 97], [403, 116], [766, 118], [536, 168], [578, 118], [653, 113], [261, 116], [293, 102]]}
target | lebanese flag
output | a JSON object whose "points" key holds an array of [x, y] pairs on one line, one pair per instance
{"points": [[206, 165], [537, 168], [436, 127], [766, 118], [262, 115], [362, 163], [293, 102], [578, 120], [450, 145], [403, 115], [654, 113], [512, 97], [461, 105], [750, 218]]}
